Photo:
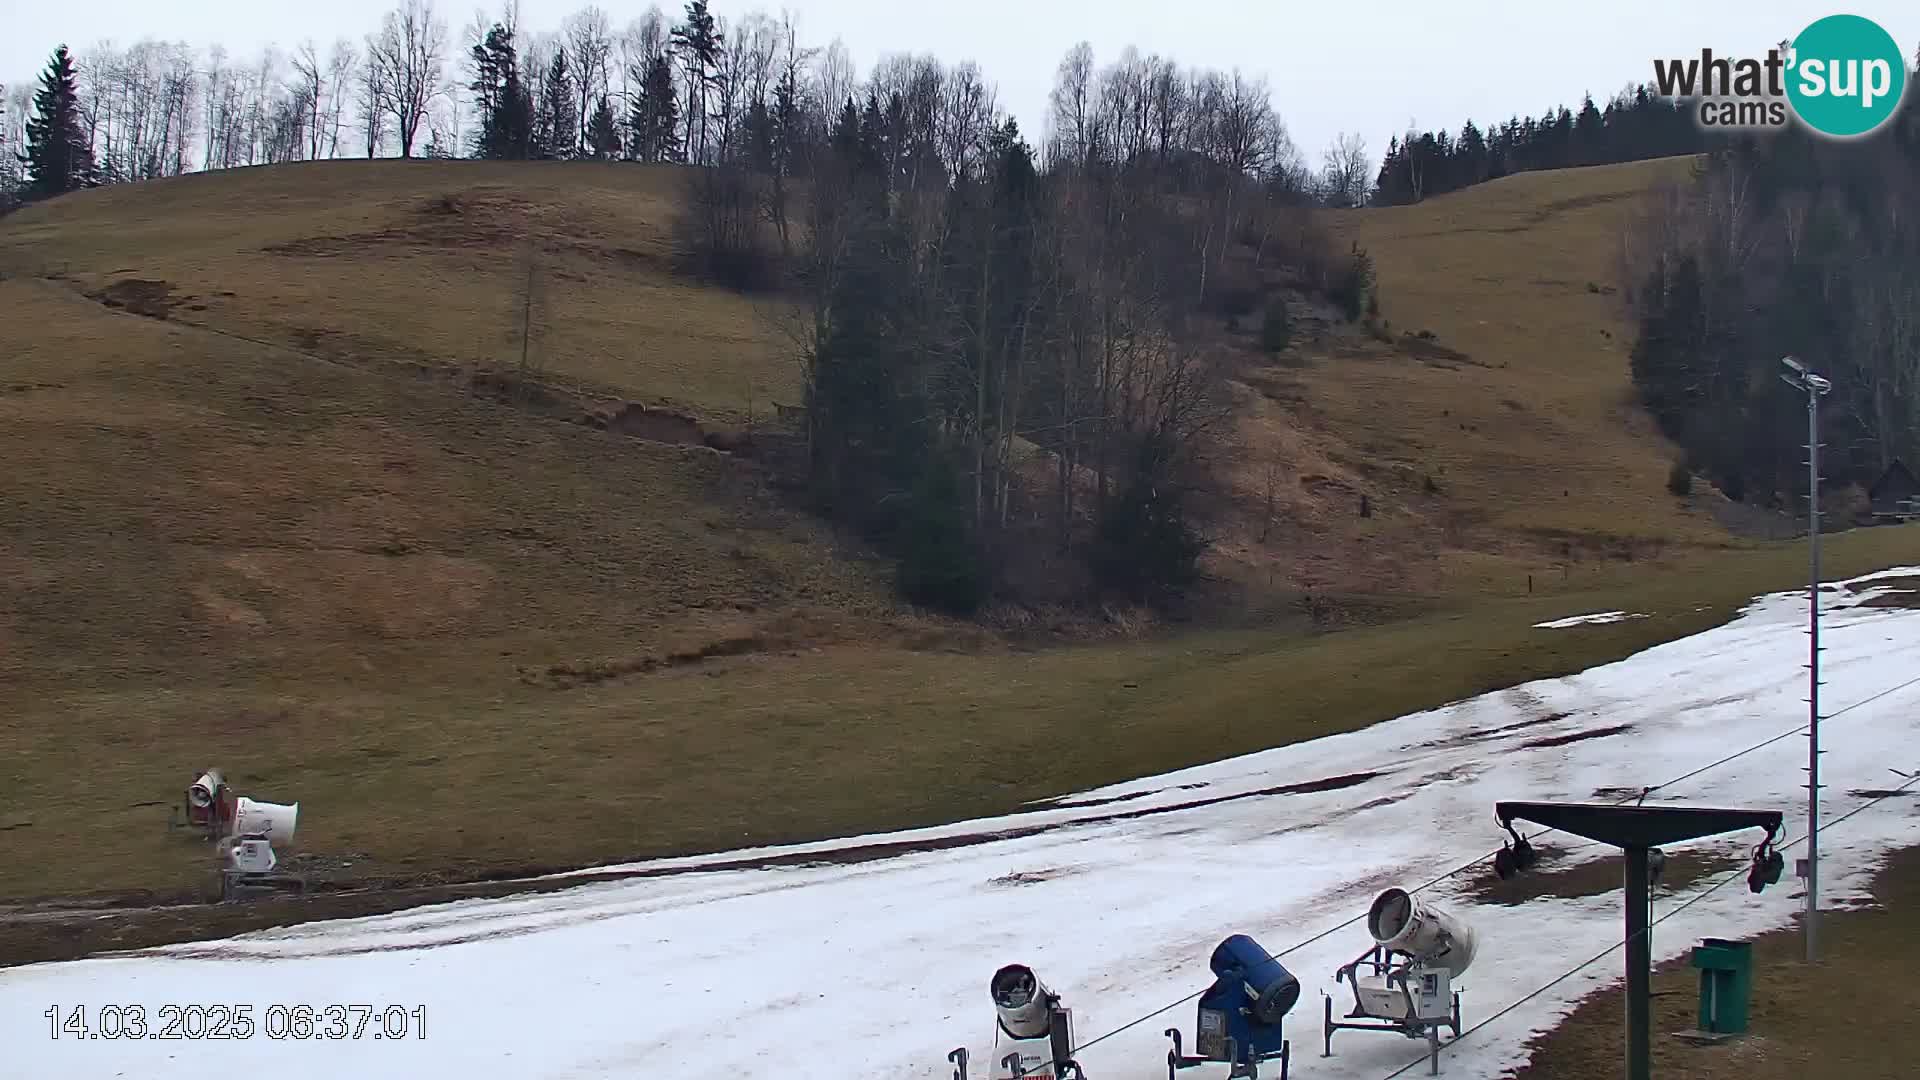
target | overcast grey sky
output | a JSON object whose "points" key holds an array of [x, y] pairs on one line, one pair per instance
{"points": [[1367, 67]]}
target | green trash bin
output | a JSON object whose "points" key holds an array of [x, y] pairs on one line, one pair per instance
{"points": [[1726, 984]]}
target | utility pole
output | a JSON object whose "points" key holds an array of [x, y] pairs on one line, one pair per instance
{"points": [[1815, 387]]}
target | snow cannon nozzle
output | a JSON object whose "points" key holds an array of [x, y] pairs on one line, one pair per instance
{"points": [[1401, 922], [1272, 988], [1035, 1031]]}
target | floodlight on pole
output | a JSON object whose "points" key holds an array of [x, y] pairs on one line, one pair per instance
{"points": [[1815, 387]]}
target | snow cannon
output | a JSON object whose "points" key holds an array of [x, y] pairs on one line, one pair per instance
{"points": [[248, 859], [1240, 1014], [1400, 922], [206, 805], [1033, 1031], [204, 790], [1404, 983], [273, 822]]}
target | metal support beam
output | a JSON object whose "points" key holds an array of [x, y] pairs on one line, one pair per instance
{"points": [[1813, 673], [1639, 967], [1635, 830], [1815, 387]]}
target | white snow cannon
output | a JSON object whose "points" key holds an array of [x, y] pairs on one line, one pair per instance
{"points": [[1033, 1031], [273, 822], [1400, 922], [247, 856], [1404, 983]]}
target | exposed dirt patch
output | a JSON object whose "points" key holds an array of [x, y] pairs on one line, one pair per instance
{"points": [[1580, 202], [569, 673], [1078, 804], [1482, 734], [658, 425], [1595, 877], [141, 296], [1578, 736], [1028, 877], [463, 219], [1902, 598], [1427, 349], [782, 632]]}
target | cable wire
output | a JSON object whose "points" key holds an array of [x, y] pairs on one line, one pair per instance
{"points": [[1609, 950], [1464, 867]]}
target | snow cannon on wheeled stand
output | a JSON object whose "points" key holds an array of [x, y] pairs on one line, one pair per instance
{"points": [[1240, 1014], [1404, 984], [1033, 1031]]}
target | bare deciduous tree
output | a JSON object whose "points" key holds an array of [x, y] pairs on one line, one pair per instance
{"points": [[1070, 115], [340, 65], [835, 76], [309, 86], [407, 59], [589, 44], [372, 103], [1345, 171]]}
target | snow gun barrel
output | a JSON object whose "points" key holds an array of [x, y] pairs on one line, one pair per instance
{"points": [[1403, 922]]}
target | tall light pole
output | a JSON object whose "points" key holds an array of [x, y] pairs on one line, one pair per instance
{"points": [[1815, 387]]}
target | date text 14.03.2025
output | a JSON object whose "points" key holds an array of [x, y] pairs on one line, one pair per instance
{"points": [[295, 1022]]}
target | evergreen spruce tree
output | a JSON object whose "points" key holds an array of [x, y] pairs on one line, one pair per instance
{"points": [[59, 156], [506, 113], [603, 133], [556, 127], [1589, 131], [654, 124], [698, 42]]}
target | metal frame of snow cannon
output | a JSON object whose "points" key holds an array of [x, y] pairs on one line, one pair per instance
{"points": [[1033, 1030], [246, 855], [247, 865], [1418, 950], [1239, 1017], [1403, 974], [1065, 1070], [1068, 1069]]}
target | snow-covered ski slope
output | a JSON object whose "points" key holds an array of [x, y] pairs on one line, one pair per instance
{"points": [[873, 961]]}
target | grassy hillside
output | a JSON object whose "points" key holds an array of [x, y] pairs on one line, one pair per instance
{"points": [[1505, 442], [424, 261], [250, 519]]}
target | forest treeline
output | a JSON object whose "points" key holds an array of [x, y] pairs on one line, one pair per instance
{"points": [[1785, 243], [693, 87], [1636, 124]]}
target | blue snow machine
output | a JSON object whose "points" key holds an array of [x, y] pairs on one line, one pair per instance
{"points": [[1240, 1014]]}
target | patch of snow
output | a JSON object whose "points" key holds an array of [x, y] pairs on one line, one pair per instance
{"points": [[877, 965], [1596, 619]]}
